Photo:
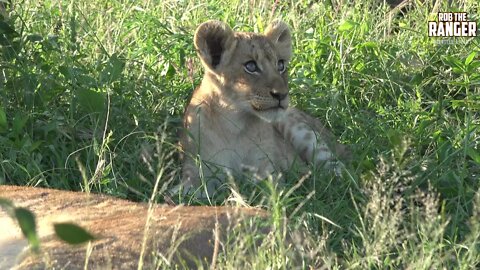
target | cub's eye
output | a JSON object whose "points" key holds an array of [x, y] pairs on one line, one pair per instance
{"points": [[281, 66], [251, 67]]}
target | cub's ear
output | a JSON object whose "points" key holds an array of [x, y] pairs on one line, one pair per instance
{"points": [[279, 33], [215, 42]]}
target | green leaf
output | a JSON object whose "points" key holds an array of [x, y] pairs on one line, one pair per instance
{"points": [[72, 233], [457, 65], [369, 44], [35, 145], [19, 122], [91, 101], [26, 220], [7, 205], [470, 58], [168, 70], [473, 154], [457, 103], [5, 202], [3, 120], [395, 137], [34, 38], [6, 29], [113, 70], [346, 25]]}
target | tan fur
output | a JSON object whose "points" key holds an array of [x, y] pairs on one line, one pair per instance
{"points": [[176, 233], [236, 118]]}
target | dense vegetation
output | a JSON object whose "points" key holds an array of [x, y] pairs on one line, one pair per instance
{"points": [[92, 92]]}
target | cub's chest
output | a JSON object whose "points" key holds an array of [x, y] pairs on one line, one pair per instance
{"points": [[258, 145]]}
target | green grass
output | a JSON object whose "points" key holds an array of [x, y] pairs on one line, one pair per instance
{"points": [[92, 94]]}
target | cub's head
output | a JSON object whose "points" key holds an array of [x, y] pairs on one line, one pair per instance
{"points": [[249, 68]]}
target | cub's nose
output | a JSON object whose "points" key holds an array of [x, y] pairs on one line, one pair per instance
{"points": [[277, 95]]}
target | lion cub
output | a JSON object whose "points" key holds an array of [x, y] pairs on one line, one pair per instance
{"points": [[238, 119]]}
